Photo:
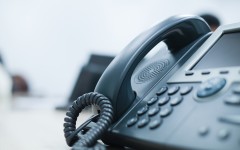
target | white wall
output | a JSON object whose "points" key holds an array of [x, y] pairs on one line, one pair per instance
{"points": [[47, 41]]}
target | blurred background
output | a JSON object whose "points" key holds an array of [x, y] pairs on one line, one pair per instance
{"points": [[45, 43], [48, 41]]}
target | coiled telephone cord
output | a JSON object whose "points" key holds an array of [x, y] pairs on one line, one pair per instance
{"points": [[89, 139]]}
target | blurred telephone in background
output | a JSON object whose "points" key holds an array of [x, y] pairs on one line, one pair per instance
{"points": [[88, 76], [186, 96]]}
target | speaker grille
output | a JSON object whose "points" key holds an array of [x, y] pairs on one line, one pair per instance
{"points": [[151, 71]]}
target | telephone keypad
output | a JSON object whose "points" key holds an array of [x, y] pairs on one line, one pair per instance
{"points": [[146, 114], [168, 105]]}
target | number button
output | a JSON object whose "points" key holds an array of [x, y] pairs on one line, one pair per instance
{"points": [[176, 100], [156, 123], [162, 90], [152, 101], [223, 134], [173, 90], [203, 130], [142, 110], [163, 100], [153, 111], [132, 121], [165, 111], [185, 90], [143, 122]]}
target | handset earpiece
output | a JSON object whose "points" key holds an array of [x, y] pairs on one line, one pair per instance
{"points": [[176, 32]]}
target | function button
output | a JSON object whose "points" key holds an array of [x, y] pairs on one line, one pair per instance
{"points": [[156, 123], [173, 90], [176, 100], [210, 87], [132, 121], [224, 72], [162, 90], [163, 100], [165, 111], [205, 72], [185, 90], [153, 111], [188, 73], [233, 100], [143, 122], [236, 90], [152, 101], [223, 134], [233, 119], [203, 130], [142, 110]]}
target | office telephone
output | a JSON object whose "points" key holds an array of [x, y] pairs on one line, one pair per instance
{"points": [[187, 96]]}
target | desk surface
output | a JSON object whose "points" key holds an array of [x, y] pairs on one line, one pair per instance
{"points": [[33, 124]]}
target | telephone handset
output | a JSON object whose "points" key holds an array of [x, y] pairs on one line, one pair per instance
{"points": [[170, 93], [176, 32]]}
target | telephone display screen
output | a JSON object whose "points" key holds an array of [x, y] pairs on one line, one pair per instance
{"points": [[224, 53]]}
